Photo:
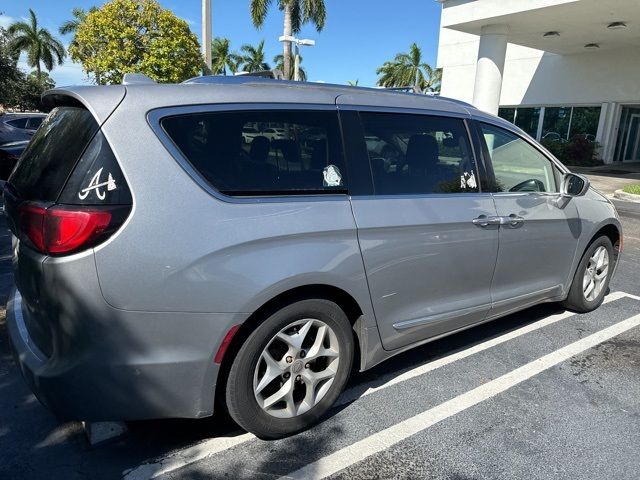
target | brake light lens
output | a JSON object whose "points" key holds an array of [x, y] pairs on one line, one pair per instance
{"points": [[68, 230], [62, 229], [31, 221]]}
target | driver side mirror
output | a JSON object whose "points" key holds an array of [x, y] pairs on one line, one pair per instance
{"points": [[574, 185]]}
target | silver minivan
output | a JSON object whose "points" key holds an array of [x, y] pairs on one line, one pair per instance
{"points": [[167, 263]]}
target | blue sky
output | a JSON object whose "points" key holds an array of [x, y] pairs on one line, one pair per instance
{"points": [[358, 37]]}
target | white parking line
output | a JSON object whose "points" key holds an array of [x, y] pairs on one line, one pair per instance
{"points": [[388, 437], [186, 456], [207, 448], [353, 393]]}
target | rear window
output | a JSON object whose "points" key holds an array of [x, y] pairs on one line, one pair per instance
{"points": [[289, 152], [18, 122], [51, 155]]}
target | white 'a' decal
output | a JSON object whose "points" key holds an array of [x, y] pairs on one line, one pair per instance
{"points": [[95, 184]]}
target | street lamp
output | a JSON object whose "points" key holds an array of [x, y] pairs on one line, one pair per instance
{"points": [[305, 42], [206, 32]]}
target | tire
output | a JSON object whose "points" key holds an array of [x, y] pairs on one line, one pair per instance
{"points": [[578, 300], [251, 380]]}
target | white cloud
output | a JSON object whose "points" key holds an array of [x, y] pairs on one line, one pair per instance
{"points": [[6, 20]]}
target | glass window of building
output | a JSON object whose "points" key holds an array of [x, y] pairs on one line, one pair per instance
{"points": [[556, 123], [527, 119], [584, 123], [507, 113]]}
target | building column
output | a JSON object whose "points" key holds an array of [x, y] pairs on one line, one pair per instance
{"points": [[490, 67]]}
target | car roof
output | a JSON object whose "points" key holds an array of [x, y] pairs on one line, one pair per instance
{"points": [[14, 115], [245, 89]]}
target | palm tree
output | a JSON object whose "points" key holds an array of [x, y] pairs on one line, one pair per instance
{"points": [[279, 61], [353, 83], [37, 42], [408, 69], [253, 58], [296, 13], [222, 57], [435, 81], [71, 26], [79, 16]]}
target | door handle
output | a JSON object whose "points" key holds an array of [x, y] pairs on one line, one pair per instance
{"points": [[484, 221], [513, 220]]}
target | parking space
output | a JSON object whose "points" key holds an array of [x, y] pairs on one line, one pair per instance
{"points": [[544, 393]]}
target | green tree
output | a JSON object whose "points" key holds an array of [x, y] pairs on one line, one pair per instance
{"points": [[222, 57], [279, 61], [408, 70], [353, 83], [37, 42], [10, 75], [296, 14], [71, 26], [253, 58], [136, 36], [30, 90]]}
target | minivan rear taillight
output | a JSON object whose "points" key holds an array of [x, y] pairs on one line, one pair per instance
{"points": [[65, 229]]}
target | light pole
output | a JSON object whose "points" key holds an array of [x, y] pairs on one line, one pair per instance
{"points": [[206, 32], [305, 42]]}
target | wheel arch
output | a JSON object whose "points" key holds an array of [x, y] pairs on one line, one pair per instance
{"points": [[332, 293], [611, 230]]}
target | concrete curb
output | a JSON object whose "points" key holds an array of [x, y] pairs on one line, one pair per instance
{"points": [[627, 197]]}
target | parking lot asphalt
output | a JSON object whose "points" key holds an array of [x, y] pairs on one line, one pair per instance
{"points": [[543, 393]]}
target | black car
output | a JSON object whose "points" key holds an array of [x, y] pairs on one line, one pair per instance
{"points": [[9, 154], [16, 127]]}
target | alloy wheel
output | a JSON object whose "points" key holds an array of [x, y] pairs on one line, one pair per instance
{"points": [[595, 274], [296, 368]]}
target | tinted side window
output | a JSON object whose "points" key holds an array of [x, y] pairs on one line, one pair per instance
{"points": [[418, 154], [263, 152], [517, 165]]}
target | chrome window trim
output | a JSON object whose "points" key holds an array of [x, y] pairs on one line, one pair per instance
{"points": [[155, 116]]}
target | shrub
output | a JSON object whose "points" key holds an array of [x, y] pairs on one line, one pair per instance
{"points": [[578, 151], [633, 188]]}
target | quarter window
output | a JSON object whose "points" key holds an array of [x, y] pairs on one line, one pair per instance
{"points": [[517, 165], [263, 152], [418, 154]]}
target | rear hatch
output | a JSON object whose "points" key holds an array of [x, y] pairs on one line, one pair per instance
{"points": [[66, 195]]}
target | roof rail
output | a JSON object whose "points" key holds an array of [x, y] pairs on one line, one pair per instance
{"points": [[407, 89], [273, 73], [136, 78]]}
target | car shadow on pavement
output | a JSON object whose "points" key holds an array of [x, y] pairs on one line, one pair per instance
{"points": [[281, 457], [46, 445]]}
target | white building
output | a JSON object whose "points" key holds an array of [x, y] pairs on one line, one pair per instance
{"points": [[557, 68]]}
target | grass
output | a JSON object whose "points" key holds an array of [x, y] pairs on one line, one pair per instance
{"points": [[633, 188]]}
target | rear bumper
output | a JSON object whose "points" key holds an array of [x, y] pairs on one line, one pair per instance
{"points": [[149, 365]]}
